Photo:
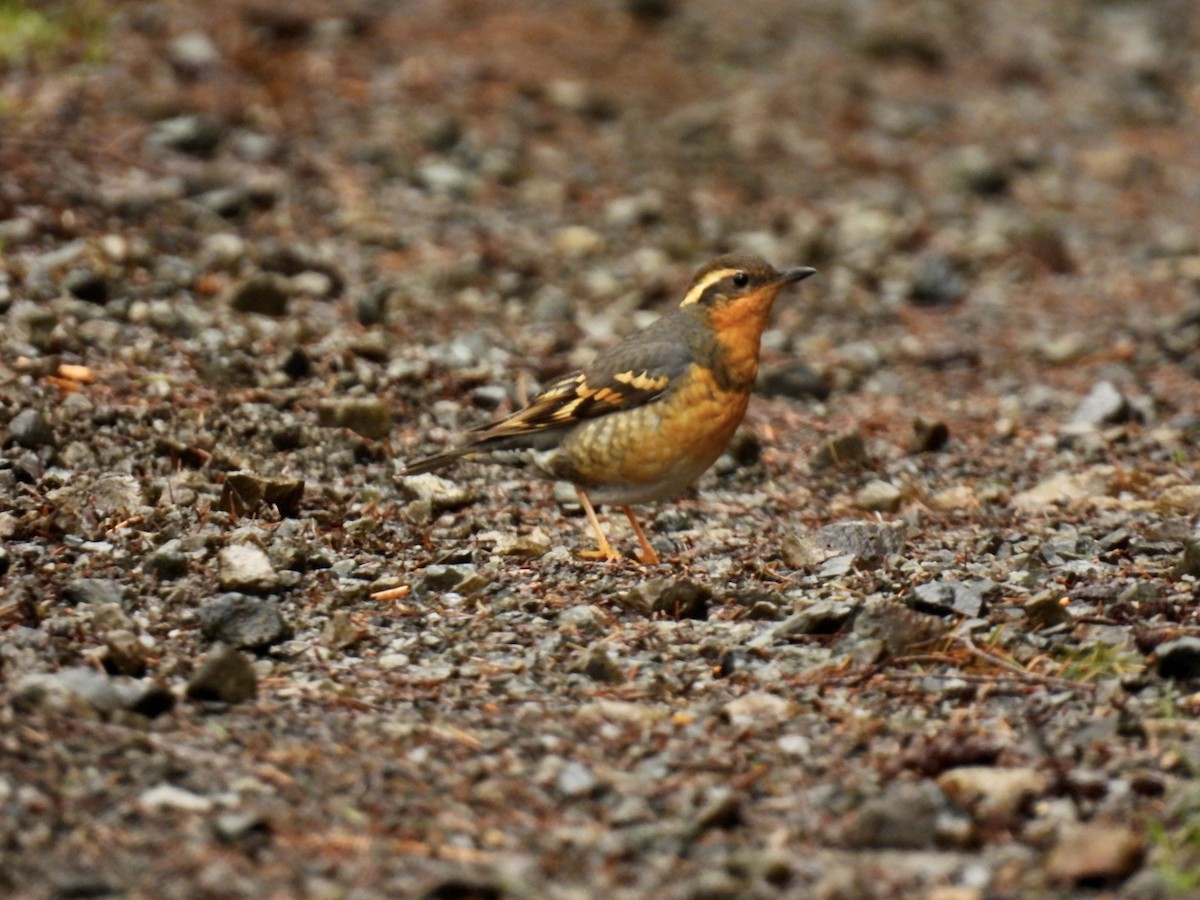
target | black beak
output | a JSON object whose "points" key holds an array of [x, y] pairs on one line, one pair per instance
{"points": [[791, 276]]}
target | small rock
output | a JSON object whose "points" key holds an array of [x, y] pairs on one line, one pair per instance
{"points": [[899, 628], [266, 294], [93, 592], [598, 665], [651, 10], [440, 493], [368, 416], [794, 380], [169, 796], [226, 676], [125, 654], [1093, 852], [98, 692], [723, 810], [585, 617], [878, 496], [928, 436], [1068, 488], [30, 429], [194, 135], [822, 617], [1105, 405], [1179, 659], [978, 171], [993, 794], [342, 631], [244, 622], [243, 492], [964, 598], [168, 561], [757, 710], [678, 598], [937, 282], [192, 51], [242, 828], [576, 780], [526, 546], [1189, 560], [1046, 610], [802, 551], [241, 567], [904, 818], [576, 241], [1180, 498], [847, 449], [863, 539]]}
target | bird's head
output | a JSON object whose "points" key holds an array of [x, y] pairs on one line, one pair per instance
{"points": [[738, 290]]}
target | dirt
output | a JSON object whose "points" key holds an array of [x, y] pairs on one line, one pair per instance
{"points": [[927, 629]]}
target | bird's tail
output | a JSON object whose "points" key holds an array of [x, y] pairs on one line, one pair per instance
{"points": [[433, 463]]}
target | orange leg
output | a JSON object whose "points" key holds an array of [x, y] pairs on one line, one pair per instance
{"points": [[648, 557], [604, 550]]}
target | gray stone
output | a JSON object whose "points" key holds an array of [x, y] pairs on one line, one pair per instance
{"points": [[30, 429], [847, 449], [576, 780], [878, 496], [441, 493], [266, 294], [93, 592], [794, 380], [965, 598], [242, 567], [248, 623], [367, 416], [1104, 405], [678, 598], [226, 676], [937, 282], [822, 617], [168, 561], [904, 818], [863, 538], [125, 654]]}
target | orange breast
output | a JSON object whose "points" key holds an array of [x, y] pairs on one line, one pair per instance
{"points": [[659, 449]]}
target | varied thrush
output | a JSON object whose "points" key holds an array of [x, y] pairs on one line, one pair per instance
{"points": [[650, 414]]}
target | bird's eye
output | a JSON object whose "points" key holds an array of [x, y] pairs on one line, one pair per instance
{"points": [[741, 279]]}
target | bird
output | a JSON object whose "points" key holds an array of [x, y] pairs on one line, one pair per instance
{"points": [[650, 414]]}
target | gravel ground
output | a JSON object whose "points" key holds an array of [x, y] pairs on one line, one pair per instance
{"points": [[928, 629]]}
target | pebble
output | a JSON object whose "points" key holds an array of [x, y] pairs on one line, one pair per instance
{"points": [[440, 493], [226, 676], [31, 430], [964, 598], [1104, 405], [848, 449], [248, 623], [597, 663], [928, 436], [1178, 659], [904, 818], [1094, 852], [576, 241], [993, 794], [1068, 488], [168, 561], [96, 691], [125, 654], [576, 780], [898, 628], [1180, 498], [862, 538], [367, 416], [937, 282], [794, 380], [821, 617], [195, 135], [243, 492], [680, 598], [266, 294], [878, 496], [1189, 560], [242, 567], [93, 592], [1046, 610], [757, 710]]}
